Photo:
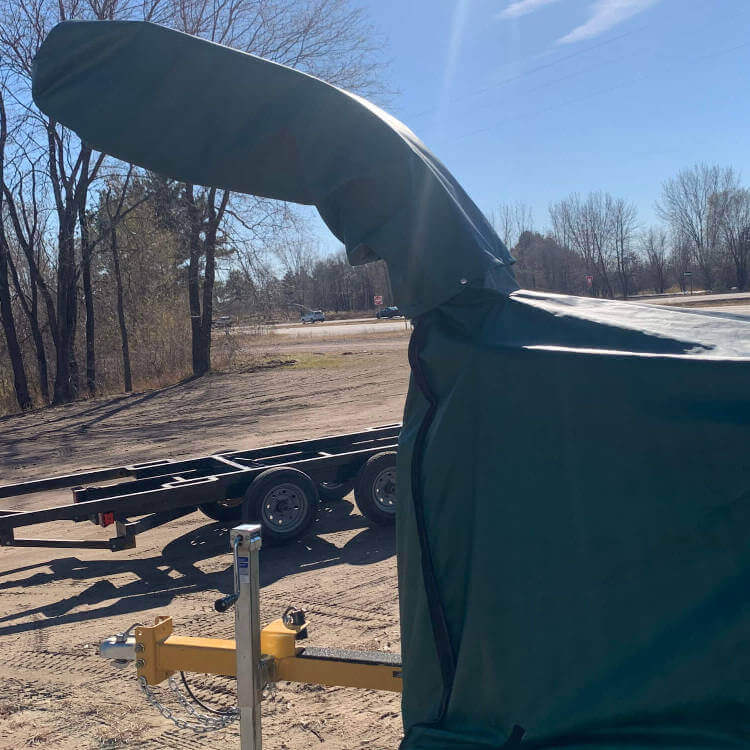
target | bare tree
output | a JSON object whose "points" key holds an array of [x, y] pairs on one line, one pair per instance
{"points": [[735, 233], [544, 263], [653, 244], [7, 318], [70, 164], [693, 203], [203, 233], [681, 258], [624, 222], [588, 226], [328, 38], [511, 220], [114, 216], [27, 220]]}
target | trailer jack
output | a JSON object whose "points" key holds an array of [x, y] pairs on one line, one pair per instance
{"points": [[257, 657]]}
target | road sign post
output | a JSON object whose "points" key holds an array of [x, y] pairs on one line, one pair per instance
{"points": [[688, 275]]}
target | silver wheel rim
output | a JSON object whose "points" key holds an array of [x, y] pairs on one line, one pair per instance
{"points": [[384, 490], [284, 508]]}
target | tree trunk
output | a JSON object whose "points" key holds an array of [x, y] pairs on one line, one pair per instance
{"points": [[204, 342], [67, 198], [126, 372], [88, 297], [704, 263], [194, 239], [200, 321], [41, 353], [37, 280], [20, 382], [66, 375], [31, 309], [215, 215]]}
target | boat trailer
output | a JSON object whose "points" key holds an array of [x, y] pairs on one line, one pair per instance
{"points": [[277, 486], [257, 657]]}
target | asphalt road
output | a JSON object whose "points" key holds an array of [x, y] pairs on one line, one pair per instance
{"points": [[733, 309], [358, 327], [689, 300], [341, 328]]}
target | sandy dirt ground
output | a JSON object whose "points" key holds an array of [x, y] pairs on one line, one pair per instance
{"points": [[56, 605]]}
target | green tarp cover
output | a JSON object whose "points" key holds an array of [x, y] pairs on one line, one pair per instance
{"points": [[574, 474], [580, 473], [210, 115]]}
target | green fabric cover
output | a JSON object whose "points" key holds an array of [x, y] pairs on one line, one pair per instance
{"points": [[209, 115], [585, 491], [574, 475]]}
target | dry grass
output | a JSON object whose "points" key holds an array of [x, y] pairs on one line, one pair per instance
{"points": [[161, 356]]}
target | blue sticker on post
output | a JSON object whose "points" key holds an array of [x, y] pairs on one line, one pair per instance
{"points": [[243, 565]]}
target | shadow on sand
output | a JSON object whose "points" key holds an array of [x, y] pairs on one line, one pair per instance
{"points": [[175, 572]]}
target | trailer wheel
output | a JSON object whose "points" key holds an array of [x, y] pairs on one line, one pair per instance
{"points": [[223, 510], [284, 501], [375, 488], [331, 491]]}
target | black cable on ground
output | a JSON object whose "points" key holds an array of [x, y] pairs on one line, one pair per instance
{"points": [[220, 712]]}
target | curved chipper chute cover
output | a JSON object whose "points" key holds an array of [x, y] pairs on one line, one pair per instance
{"points": [[574, 475]]}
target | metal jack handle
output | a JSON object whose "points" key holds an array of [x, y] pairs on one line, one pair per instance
{"points": [[245, 541], [223, 604]]}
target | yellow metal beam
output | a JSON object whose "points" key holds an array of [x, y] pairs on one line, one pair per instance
{"points": [[206, 655], [332, 672], [161, 654], [147, 643], [279, 640]]}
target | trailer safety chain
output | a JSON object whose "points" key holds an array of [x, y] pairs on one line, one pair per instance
{"points": [[200, 723]]}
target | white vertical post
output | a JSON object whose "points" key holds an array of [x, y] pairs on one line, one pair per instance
{"points": [[245, 540]]}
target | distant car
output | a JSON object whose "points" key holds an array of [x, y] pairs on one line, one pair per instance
{"points": [[389, 312], [223, 322], [313, 316]]}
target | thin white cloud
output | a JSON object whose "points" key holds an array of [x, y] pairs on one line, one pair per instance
{"points": [[605, 14], [523, 8]]}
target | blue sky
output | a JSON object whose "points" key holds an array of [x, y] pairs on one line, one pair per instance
{"points": [[531, 100]]}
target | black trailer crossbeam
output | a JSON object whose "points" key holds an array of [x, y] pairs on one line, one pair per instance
{"points": [[161, 491], [131, 528], [192, 493], [68, 480], [57, 543]]}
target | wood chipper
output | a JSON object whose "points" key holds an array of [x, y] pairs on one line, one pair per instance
{"points": [[573, 475]]}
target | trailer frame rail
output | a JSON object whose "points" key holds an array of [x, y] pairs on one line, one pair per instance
{"points": [[160, 491]]}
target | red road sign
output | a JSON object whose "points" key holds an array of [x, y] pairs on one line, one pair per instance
{"points": [[378, 298], [589, 279]]}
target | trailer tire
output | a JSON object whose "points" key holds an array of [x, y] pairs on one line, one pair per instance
{"points": [[332, 491], [375, 488], [284, 501], [220, 511]]}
